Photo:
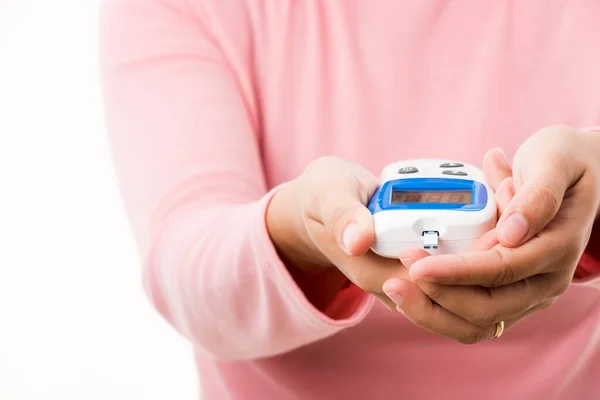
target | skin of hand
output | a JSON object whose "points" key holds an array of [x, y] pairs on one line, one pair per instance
{"points": [[323, 231], [548, 202]]}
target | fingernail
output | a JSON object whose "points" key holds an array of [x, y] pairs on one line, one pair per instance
{"points": [[397, 299], [514, 229], [348, 237], [407, 262], [390, 288]]}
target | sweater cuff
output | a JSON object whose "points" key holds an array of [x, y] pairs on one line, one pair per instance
{"points": [[588, 270]]}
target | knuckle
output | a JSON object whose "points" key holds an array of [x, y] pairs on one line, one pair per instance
{"points": [[547, 303], [573, 245], [503, 275], [553, 284], [367, 183], [421, 319], [473, 337], [337, 221], [547, 197], [436, 292], [483, 319], [362, 192], [560, 289], [499, 277], [364, 280]]}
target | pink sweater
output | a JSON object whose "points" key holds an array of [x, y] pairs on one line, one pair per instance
{"points": [[213, 103]]}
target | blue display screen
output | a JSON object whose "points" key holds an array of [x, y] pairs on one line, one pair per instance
{"points": [[432, 196], [429, 194]]}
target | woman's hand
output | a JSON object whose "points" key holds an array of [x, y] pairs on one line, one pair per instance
{"points": [[320, 225], [548, 205]]}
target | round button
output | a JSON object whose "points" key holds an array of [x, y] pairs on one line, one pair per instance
{"points": [[451, 165], [454, 173], [408, 170]]}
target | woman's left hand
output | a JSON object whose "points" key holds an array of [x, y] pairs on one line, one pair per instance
{"points": [[547, 204]]}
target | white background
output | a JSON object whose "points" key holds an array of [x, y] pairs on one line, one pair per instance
{"points": [[74, 321]]}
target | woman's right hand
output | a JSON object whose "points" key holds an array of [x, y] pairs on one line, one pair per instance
{"points": [[320, 221]]}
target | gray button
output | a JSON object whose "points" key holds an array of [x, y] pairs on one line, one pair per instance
{"points": [[407, 170], [455, 173], [451, 165]]}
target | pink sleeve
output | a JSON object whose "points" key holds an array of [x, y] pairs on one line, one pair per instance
{"points": [[183, 134], [588, 270]]}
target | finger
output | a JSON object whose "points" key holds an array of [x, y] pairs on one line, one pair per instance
{"points": [[485, 242], [413, 254], [421, 311], [368, 271], [483, 307], [496, 167], [386, 301], [410, 255], [504, 194], [538, 199], [497, 266], [338, 199]]}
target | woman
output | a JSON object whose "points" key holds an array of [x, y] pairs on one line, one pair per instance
{"points": [[248, 134]]}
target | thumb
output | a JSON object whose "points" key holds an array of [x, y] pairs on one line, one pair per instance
{"points": [[349, 222], [536, 202], [338, 192]]}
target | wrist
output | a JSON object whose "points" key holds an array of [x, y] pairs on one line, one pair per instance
{"points": [[316, 277], [285, 226]]}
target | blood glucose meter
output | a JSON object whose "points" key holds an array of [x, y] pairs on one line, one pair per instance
{"points": [[440, 205]]}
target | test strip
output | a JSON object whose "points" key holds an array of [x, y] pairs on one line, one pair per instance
{"points": [[430, 240]]}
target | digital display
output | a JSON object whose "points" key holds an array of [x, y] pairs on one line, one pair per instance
{"points": [[437, 196]]}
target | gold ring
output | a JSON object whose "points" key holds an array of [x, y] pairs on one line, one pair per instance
{"points": [[499, 329]]}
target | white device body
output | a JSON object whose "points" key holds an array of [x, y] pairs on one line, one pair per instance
{"points": [[396, 230]]}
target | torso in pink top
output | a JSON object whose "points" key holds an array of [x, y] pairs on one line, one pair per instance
{"points": [[211, 103]]}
